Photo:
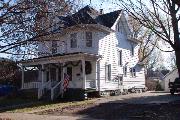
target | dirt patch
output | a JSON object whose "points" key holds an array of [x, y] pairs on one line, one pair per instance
{"points": [[111, 111]]}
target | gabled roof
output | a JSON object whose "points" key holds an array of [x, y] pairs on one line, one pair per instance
{"points": [[88, 15], [170, 72]]}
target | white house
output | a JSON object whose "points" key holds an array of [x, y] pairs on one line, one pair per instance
{"points": [[95, 49], [170, 77]]}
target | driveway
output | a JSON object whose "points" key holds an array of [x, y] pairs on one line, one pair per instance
{"points": [[149, 106]]}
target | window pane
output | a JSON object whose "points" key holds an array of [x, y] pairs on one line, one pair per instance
{"points": [[125, 71], [132, 50], [120, 57], [109, 72], [88, 39], [73, 40], [54, 47]]}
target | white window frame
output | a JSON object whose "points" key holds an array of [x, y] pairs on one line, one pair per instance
{"points": [[133, 72], [73, 40], [89, 42], [108, 72], [120, 58], [125, 71], [54, 46], [132, 50]]}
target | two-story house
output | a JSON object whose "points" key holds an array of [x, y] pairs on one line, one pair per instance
{"points": [[95, 50]]}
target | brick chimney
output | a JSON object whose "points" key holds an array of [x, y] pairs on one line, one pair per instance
{"points": [[101, 11]]}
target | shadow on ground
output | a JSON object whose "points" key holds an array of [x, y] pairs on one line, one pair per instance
{"points": [[159, 107], [153, 108]]}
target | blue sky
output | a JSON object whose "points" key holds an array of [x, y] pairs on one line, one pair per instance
{"points": [[106, 5]]}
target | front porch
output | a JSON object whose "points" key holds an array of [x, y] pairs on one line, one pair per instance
{"points": [[50, 73]]}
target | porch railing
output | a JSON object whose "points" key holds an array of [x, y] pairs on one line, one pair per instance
{"points": [[56, 90], [41, 89], [90, 83], [31, 85]]}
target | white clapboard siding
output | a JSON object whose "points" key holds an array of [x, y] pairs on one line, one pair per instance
{"points": [[107, 45]]}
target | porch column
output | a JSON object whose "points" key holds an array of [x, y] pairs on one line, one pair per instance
{"points": [[83, 74], [50, 75], [98, 74], [22, 86], [42, 74], [62, 79], [96, 77]]}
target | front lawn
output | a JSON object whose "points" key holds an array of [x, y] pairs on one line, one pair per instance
{"points": [[31, 106]]}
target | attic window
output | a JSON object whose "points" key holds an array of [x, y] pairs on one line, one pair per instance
{"points": [[73, 38], [88, 39]]}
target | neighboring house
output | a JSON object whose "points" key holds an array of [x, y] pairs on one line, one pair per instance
{"points": [[154, 75], [95, 50], [170, 77]]}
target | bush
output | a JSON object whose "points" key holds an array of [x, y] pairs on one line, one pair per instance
{"points": [[158, 87]]}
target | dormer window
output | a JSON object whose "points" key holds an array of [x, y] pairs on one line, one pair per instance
{"points": [[54, 47], [73, 39], [88, 39]]}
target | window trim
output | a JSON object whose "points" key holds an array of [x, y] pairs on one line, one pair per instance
{"points": [[125, 71], [54, 47], [89, 40], [108, 72], [133, 72], [132, 50], [120, 58], [73, 39]]}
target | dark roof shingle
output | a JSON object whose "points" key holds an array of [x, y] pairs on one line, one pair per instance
{"points": [[88, 15]]}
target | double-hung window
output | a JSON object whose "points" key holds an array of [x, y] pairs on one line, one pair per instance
{"points": [[133, 72], [120, 58], [88, 39], [54, 47], [108, 72], [73, 40], [132, 50], [125, 71]]}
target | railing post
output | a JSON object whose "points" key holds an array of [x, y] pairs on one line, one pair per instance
{"points": [[57, 74], [62, 79], [83, 74], [52, 94], [42, 73], [22, 86], [50, 75]]}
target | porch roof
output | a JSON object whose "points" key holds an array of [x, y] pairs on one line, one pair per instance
{"points": [[60, 58]]}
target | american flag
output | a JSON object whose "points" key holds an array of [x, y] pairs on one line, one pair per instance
{"points": [[66, 82]]}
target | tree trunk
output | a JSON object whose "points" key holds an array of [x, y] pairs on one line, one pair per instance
{"points": [[177, 53]]}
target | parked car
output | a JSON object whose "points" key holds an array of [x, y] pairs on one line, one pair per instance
{"points": [[6, 90], [174, 86]]}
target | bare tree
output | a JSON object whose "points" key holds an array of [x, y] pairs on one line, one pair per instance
{"points": [[23, 22], [160, 16]]}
